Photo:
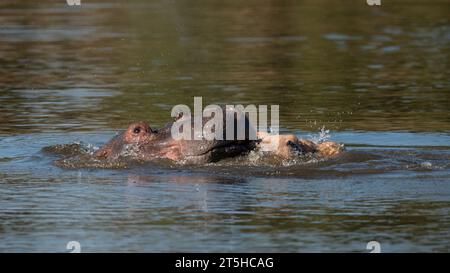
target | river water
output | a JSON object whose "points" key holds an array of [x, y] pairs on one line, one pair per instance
{"points": [[376, 77]]}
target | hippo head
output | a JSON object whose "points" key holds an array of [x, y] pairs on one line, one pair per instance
{"points": [[141, 142], [136, 135]]}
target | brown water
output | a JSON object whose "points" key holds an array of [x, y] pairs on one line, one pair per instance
{"points": [[376, 77]]}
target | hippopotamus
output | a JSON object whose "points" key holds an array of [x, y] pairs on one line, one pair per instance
{"points": [[141, 142], [144, 143]]}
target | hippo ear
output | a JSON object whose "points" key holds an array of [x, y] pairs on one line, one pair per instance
{"points": [[147, 128], [150, 130]]}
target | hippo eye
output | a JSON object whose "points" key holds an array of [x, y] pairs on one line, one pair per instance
{"points": [[137, 130]]}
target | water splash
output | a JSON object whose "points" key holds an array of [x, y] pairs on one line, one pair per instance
{"points": [[322, 136]]}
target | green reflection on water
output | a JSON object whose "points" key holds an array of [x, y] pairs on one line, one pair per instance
{"points": [[344, 65]]}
